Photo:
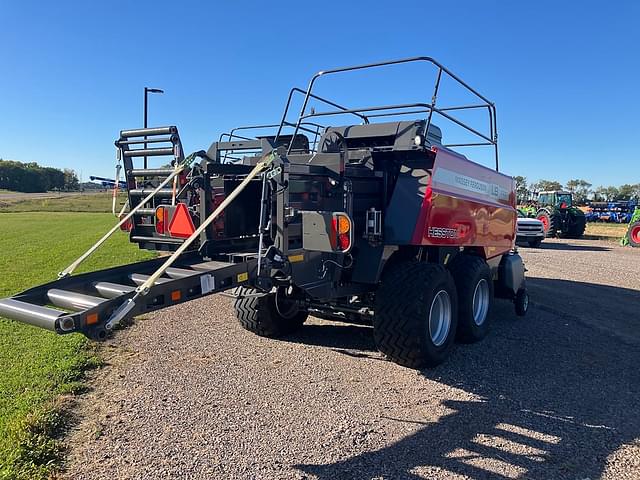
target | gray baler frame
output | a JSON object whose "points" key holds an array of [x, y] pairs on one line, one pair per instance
{"points": [[216, 266]]}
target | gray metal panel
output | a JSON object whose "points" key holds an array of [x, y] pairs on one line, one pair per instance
{"points": [[315, 231], [180, 272], [511, 272], [206, 266], [403, 210]]}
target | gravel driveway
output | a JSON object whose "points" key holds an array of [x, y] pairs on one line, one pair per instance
{"points": [[188, 394]]}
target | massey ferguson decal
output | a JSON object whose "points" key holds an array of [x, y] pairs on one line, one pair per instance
{"points": [[477, 188], [467, 204], [456, 175]]}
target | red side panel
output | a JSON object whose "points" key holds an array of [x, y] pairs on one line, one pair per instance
{"points": [[467, 204]]}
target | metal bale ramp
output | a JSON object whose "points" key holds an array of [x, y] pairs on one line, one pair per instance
{"points": [[84, 303]]}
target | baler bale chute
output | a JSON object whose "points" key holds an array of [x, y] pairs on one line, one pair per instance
{"points": [[305, 217]]}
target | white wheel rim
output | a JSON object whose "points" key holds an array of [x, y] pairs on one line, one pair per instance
{"points": [[440, 318], [481, 302]]}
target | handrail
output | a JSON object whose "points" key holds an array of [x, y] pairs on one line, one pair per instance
{"points": [[441, 68], [232, 133], [426, 106]]}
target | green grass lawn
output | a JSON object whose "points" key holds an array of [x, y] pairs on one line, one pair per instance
{"points": [[83, 202], [37, 366]]}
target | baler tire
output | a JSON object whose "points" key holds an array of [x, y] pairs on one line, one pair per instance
{"points": [[468, 271], [577, 227], [259, 315], [521, 302], [551, 220], [633, 234], [403, 305]]}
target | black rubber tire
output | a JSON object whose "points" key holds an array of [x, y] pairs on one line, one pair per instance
{"points": [[535, 243], [577, 226], [522, 302], [467, 271], [552, 220], [259, 314], [632, 234], [402, 306]]}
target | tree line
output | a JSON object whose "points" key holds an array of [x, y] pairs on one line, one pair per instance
{"points": [[581, 189], [31, 177]]}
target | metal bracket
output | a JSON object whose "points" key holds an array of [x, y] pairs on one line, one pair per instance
{"points": [[119, 314]]}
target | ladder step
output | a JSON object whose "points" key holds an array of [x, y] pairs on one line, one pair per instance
{"points": [[180, 272], [145, 212], [141, 132], [148, 140], [151, 172], [141, 238], [37, 315], [139, 278], [72, 300], [112, 290], [140, 192], [149, 152]]}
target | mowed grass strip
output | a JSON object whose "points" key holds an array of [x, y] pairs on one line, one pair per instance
{"points": [[80, 202], [606, 231], [36, 366]]}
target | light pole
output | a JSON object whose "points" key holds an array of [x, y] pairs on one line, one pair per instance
{"points": [[147, 91]]}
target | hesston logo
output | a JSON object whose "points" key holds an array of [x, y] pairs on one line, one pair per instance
{"points": [[442, 232]]}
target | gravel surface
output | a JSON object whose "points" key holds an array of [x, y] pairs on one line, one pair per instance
{"points": [[188, 394]]}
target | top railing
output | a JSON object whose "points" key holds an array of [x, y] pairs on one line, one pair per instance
{"points": [[367, 113]]}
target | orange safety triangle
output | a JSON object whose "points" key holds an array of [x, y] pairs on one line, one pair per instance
{"points": [[181, 224]]}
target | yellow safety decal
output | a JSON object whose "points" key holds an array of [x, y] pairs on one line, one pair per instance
{"points": [[296, 258], [243, 277]]}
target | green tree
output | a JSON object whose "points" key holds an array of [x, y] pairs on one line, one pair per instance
{"points": [[546, 185], [607, 194], [580, 189], [522, 190], [71, 181], [628, 192]]}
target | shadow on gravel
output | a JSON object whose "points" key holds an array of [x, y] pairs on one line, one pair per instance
{"points": [[340, 337], [569, 246], [556, 397]]}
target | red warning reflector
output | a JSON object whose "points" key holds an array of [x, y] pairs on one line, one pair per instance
{"points": [[181, 224]]}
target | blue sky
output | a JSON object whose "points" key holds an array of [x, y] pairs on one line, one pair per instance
{"points": [[565, 76]]}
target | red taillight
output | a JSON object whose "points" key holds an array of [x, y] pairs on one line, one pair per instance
{"points": [[341, 232], [126, 226], [161, 218], [344, 242]]}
